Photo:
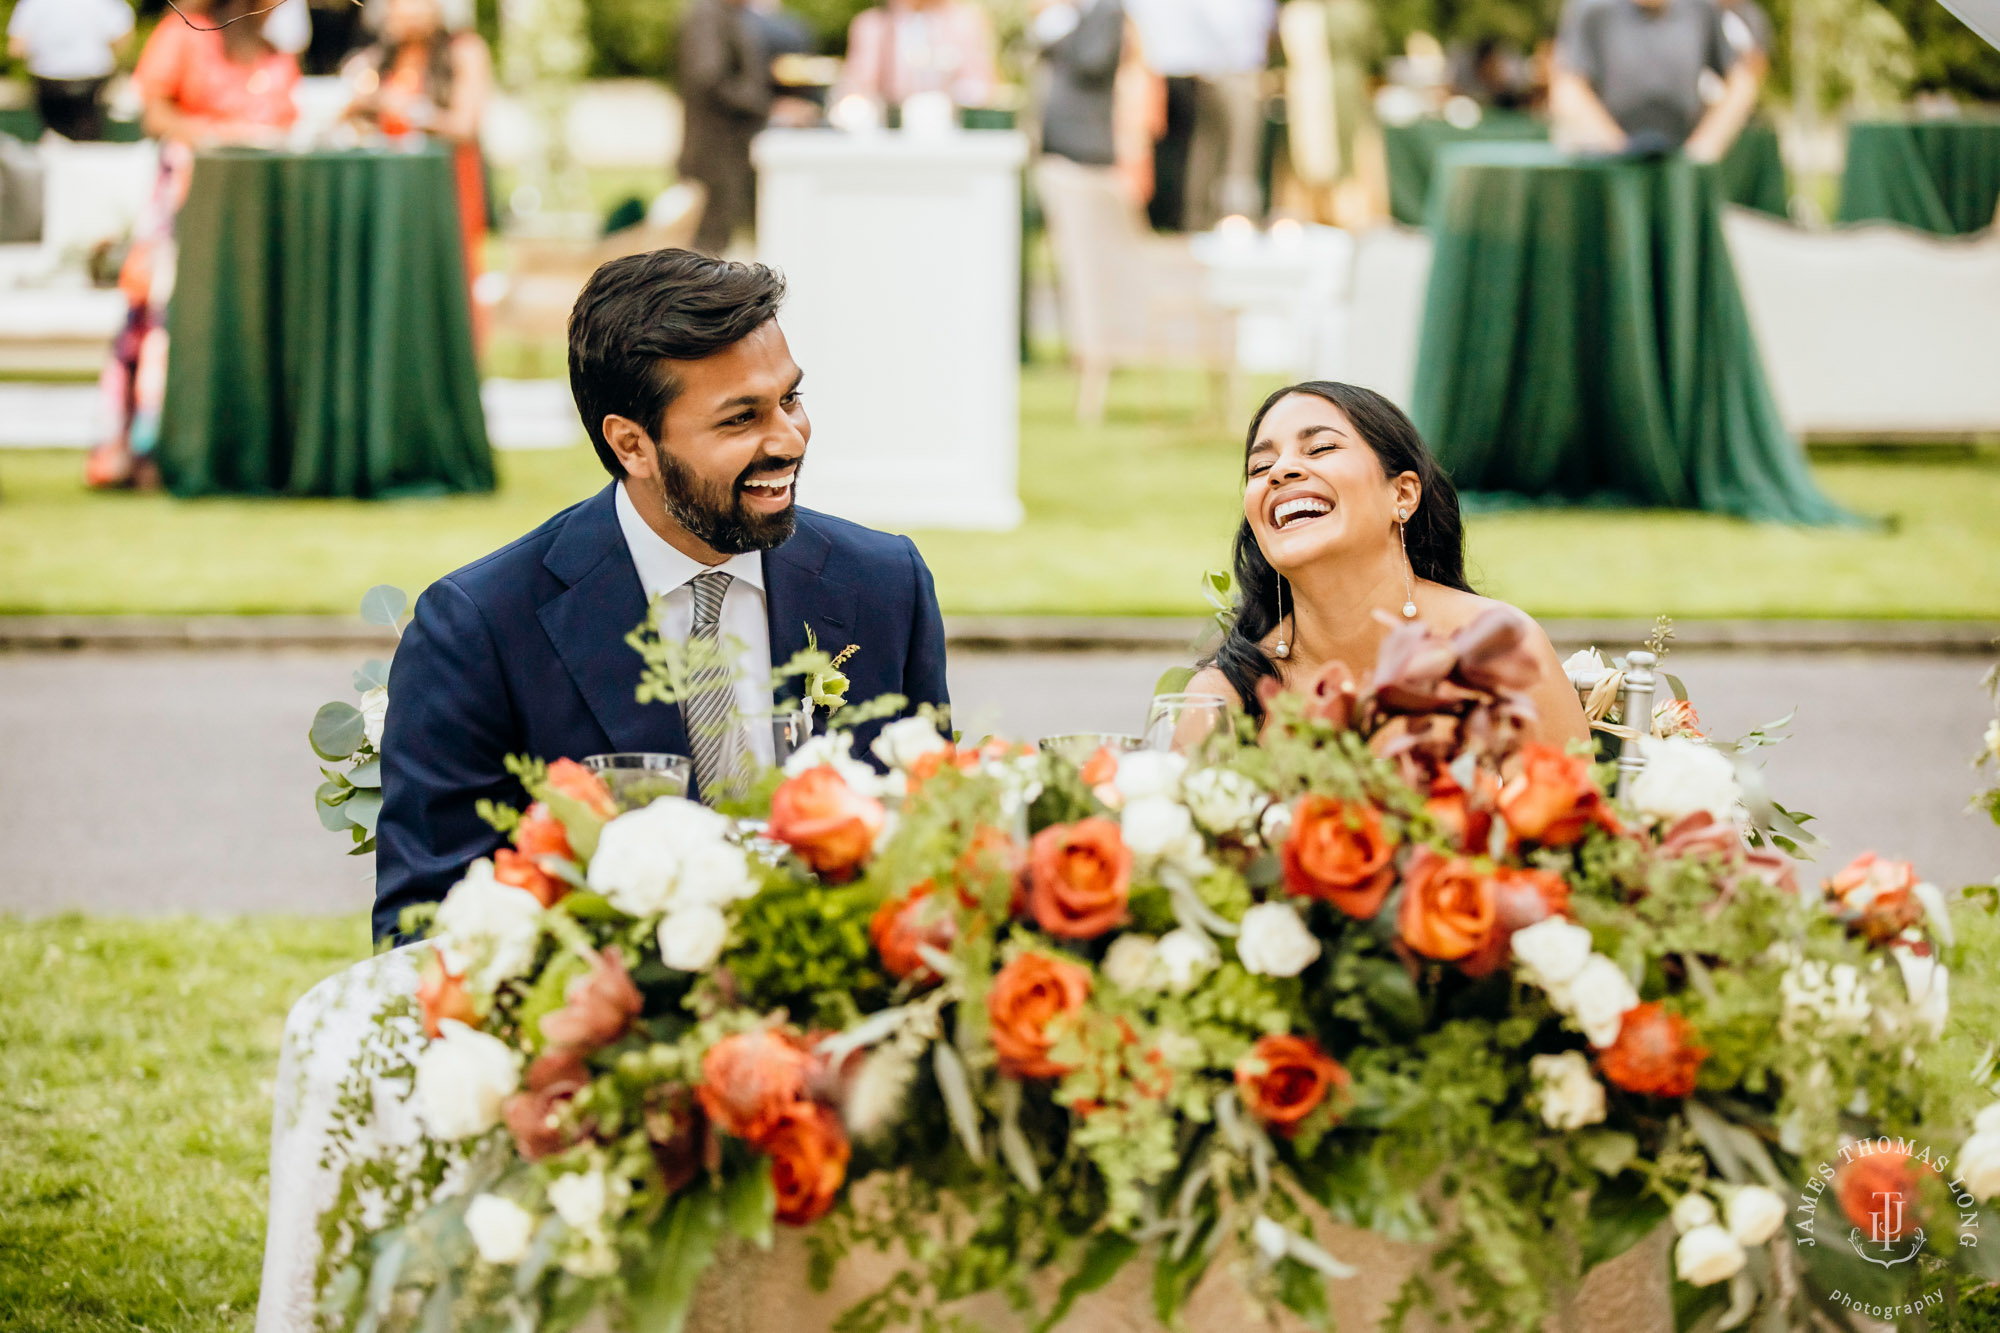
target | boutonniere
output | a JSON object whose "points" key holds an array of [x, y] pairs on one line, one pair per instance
{"points": [[826, 686]]}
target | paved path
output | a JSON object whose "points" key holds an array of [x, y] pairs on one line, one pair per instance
{"points": [[147, 783]]}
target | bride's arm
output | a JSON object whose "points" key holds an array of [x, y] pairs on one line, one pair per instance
{"points": [[1559, 715]]}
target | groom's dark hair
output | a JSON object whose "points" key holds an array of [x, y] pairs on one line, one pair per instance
{"points": [[665, 305]]}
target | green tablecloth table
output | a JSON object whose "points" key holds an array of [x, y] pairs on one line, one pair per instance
{"points": [[1584, 340], [1753, 173], [321, 333], [1939, 176], [25, 123]]}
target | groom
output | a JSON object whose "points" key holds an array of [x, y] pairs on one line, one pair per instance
{"points": [[694, 404]]}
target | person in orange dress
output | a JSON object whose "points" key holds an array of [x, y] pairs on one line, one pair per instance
{"points": [[209, 79], [432, 75]]}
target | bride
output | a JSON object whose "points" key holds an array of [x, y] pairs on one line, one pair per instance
{"points": [[1349, 528]]}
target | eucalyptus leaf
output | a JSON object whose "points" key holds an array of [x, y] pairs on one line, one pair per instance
{"points": [[1107, 1254], [1174, 680], [1713, 1131], [338, 730], [540, 1251], [364, 808], [749, 1201], [1014, 1147], [332, 813], [1607, 1151], [382, 1279], [372, 674], [367, 775], [956, 1089], [384, 605]]}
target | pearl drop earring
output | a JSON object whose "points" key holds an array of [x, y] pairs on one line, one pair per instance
{"points": [[1282, 649], [1409, 587]]}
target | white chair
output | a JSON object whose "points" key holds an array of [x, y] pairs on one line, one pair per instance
{"points": [[1128, 297], [1385, 317]]}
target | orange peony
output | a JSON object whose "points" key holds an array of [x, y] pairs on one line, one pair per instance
{"points": [[541, 834], [1520, 899], [1284, 1079], [809, 1153], [749, 1079], [441, 994], [1448, 906], [571, 779], [830, 825], [1676, 717], [512, 867], [1079, 876], [1654, 1055], [1028, 995], [1339, 852], [598, 1007], [1552, 799], [1877, 898], [901, 926], [1878, 1192]]}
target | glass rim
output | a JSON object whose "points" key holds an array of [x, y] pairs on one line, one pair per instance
{"points": [[639, 759], [1191, 697]]}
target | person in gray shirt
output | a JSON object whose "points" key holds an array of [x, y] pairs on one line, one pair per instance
{"points": [[1649, 76]]}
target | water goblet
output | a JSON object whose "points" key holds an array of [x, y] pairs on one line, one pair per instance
{"points": [[636, 780], [1180, 722], [1079, 747]]}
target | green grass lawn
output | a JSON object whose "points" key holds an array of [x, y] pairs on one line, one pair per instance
{"points": [[136, 1063], [1122, 519]]}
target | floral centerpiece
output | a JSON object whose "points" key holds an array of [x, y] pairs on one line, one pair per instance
{"points": [[1380, 962]]}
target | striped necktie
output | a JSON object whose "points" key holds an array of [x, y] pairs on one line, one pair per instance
{"points": [[714, 731]]}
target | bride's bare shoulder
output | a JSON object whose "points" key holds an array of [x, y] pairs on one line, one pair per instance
{"points": [[1210, 680]]}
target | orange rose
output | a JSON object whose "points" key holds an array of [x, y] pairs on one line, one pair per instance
{"points": [[1284, 1079], [901, 926], [1101, 768], [749, 1079], [1520, 899], [541, 834], [511, 867], [1448, 906], [1876, 898], [534, 1115], [830, 825], [1552, 799], [809, 1153], [1654, 1055], [991, 856], [597, 1007], [1339, 852], [1078, 878], [571, 779], [1027, 996], [441, 994], [1878, 1192], [1467, 824]]}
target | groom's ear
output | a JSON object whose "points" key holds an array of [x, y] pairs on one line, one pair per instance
{"points": [[632, 445]]}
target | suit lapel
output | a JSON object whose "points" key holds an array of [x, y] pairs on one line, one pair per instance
{"points": [[587, 623], [801, 592]]}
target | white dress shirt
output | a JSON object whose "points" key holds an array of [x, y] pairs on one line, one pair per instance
{"points": [[70, 39], [667, 573]]}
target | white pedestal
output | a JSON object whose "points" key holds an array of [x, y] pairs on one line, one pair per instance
{"points": [[902, 256]]}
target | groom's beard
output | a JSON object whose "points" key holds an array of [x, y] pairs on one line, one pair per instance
{"points": [[714, 513]]}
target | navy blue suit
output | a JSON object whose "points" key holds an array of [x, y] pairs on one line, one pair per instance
{"points": [[524, 653]]}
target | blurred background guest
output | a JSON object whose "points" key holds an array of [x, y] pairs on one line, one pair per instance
{"points": [[727, 94], [431, 74], [1082, 44], [1751, 35], [71, 50], [1643, 75], [220, 83], [1213, 54], [921, 46]]}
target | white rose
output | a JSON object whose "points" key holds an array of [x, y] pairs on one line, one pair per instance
{"points": [[1979, 1165], [580, 1199], [500, 1228], [1274, 942], [1144, 773], [1754, 1214], [902, 743], [1988, 1121], [1222, 800], [462, 1078], [1683, 776], [1158, 829], [1691, 1211], [1186, 956], [1551, 952], [1598, 999], [1929, 985], [374, 712], [1131, 963], [835, 750], [1570, 1095], [488, 930], [1276, 825], [692, 936], [1707, 1255], [1584, 663], [646, 858]]}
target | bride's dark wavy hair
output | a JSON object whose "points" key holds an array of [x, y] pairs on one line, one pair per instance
{"points": [[1434, 533]]}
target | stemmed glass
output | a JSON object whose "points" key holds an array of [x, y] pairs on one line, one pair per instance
{"points": [[1182, 721], [636, 780], [1079, 747]]}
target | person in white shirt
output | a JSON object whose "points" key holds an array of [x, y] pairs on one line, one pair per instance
{"points": [[71, 48], [1212, 54]]}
